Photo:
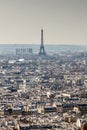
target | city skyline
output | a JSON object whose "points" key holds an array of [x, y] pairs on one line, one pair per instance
{"points": [[63, 21]]}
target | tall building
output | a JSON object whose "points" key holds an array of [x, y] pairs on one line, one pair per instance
{"points": [[42, 50], [23, 51]]}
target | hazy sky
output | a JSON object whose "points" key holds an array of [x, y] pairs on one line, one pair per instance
{"points": [[63, 21]]}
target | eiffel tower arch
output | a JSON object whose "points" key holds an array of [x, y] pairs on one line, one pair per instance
{"points": [[42, 49]]}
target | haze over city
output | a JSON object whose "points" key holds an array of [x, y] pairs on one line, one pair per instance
{"points": [[63, 21], [43, 65]]}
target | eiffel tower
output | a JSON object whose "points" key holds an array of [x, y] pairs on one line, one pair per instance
{"points": [[42, 50]]}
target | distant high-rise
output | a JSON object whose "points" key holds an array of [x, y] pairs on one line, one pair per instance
{"points": [[42, 50], [23, 51]]}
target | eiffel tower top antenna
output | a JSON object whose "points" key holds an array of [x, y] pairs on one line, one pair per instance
{"points": [[42, 50]]}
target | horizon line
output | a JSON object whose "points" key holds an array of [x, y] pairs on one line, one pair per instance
{"points": [[44, 44]]}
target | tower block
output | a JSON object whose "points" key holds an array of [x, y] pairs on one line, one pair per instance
{"points": [[42, 50]]}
